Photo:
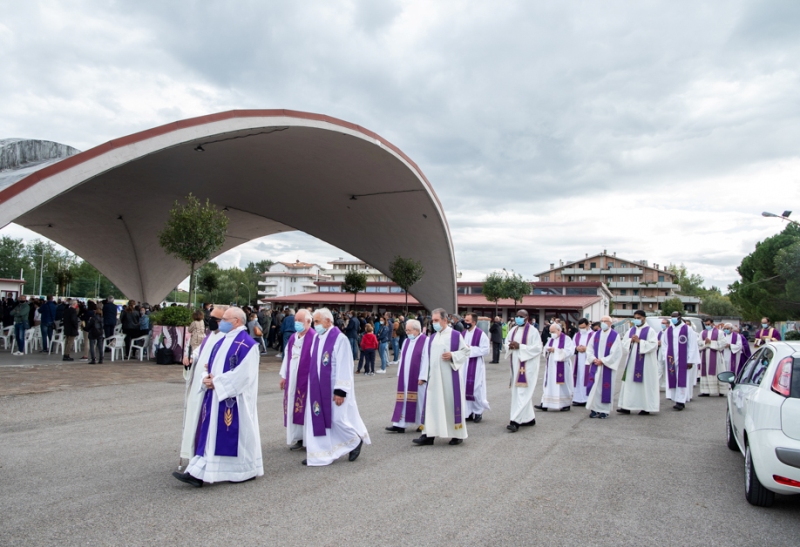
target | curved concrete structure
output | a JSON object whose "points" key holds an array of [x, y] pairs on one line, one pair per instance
{"points": [[274, 170]]}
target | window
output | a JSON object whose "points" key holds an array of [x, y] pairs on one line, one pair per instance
{"points": [[580, 266], [397, 289], [581, 278], [610, 265], [610, 278], [761, 366], [622, 265], [635, 292], [666, 293], [624, 306], [660, 278], [546, 278], [372, 289], [593, 265], [461, 290], [747, 369], [649, 305], [571, 291], [477, 290], [622, 278], [571, 278], [383, 289], [635, 278], [623, 292]]}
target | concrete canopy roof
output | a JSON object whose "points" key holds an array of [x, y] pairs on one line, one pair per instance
{"points": [[274, 170]]}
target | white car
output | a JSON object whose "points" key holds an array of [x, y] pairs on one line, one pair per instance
{"points": [[763, 421]]}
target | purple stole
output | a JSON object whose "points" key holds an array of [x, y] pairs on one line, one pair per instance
{"points": [[299, 415], [575, 368], [227, 442], [455, 336], [409, 402], [638, 368], [473, 364], [712, 362], [606, 380], [522, 379], [559, 364], [745, 354], [320, 387], [683, 341], [734, 368]]}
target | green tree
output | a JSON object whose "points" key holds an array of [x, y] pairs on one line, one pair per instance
{"points": [[670, 305], [354, 282], [13, 260], [769, 283], [193, 233], [516, 288], [207, 280], [716, 304], [494, 288], [405, 272], [691, 284]]}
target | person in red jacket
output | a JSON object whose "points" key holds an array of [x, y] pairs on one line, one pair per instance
{"points": [[369, 343]]}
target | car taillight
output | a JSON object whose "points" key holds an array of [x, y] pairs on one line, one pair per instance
{"points": [[782, 383], [785, 481]]}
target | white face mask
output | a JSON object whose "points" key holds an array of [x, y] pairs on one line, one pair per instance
{"points": [[584, 330]]}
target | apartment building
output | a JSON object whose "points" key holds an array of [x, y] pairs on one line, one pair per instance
{"points": [[289, 278], [633, 284]]}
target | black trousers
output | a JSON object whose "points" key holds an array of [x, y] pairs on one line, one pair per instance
{"points": [[496, 351]]}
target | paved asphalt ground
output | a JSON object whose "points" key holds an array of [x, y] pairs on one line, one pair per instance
{"points": [[87, 452]]}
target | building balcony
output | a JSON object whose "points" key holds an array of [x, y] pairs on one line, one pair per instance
{"points": [[637, 298], [272, 292], [268, 283], [642, 285]]}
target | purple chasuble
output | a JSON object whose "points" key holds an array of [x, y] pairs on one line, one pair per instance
{"points": [[712, 361], [638, 367], [301, 385], [606, 379], [734, 367], [683, 342], [320, 390], [454, 339], [410, 401], [473, 364], [227, 442], [522, 379], [559, 364], [745, 353]]}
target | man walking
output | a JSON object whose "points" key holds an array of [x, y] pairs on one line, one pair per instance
{"points": [[496, 335]]}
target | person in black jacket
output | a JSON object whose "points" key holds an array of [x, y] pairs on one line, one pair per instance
{"points": [[351, 331], [71, 326], [130, 324], [109, 317], [496, 337], [96, 334]]}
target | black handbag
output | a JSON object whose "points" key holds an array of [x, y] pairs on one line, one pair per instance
{"points": [[164, 356]]}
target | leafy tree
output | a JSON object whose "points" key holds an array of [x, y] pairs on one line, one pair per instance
{"points": [[516, 288], [13, 260], [193, 233], [405, 272], [670, 305], [716, 304], [354, 282], [691, 284], [207, 281], [262, 266], [494, 288], [769, 278]]}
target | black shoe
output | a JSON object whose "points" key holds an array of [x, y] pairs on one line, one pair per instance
{"points": [[423, 440], [513, 427], [395, 429], [355, 452], [92, 362], [297, 446], [623, 411], [593, 414], [188, 479], [540, 407], [477, 419], [530, 424], [679, 406], [455, 441], [470, 417], [67, 358], [704, 395], [578, 404], [304, 462], [565, 409], [722, 395], [602, 415], [100, 362], [644, 413]]}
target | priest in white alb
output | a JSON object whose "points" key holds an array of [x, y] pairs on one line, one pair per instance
{"points": [[557, 393], [640, 381], [681, 356], [580, 368], [473, 374], [445, 400], [412, 377], [195, 368], [523, 345], [294, 378], [734, 346], [712, 345], [604, 355], [333, 426], [228, 446]]}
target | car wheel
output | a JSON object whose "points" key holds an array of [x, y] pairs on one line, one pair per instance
{"points": [[731, 438], [754, 491]]}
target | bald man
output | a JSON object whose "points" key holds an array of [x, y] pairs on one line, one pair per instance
{"points": [[604, 355], [294, 378]]}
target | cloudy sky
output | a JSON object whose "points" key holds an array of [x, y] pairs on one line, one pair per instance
{"points": [[656, 129]]}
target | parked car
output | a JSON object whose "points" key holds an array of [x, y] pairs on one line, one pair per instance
{"points": [[763, 421]]}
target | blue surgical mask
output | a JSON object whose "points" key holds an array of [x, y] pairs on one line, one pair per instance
{"points": [[412, 337], [225, 326], [726, 331], [437, 327], [764, 325], [673, 320], [663, 326], [299, 326], [320, 329], [520, 321], [709, 327], [637, 322], [604, 326]]}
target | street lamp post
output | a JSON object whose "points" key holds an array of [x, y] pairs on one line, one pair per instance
{"points": [[784, 216], [248, 293]]}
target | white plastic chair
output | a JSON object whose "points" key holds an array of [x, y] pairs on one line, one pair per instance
{"points": [[141, 346], [78, 343], [7, 337], [57, 338], [32, 341], [117, 329], [118, 346]]}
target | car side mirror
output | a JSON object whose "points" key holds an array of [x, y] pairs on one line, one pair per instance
{"points": [[728, 377]]}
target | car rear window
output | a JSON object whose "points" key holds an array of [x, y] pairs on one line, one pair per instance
{"points": [[762, 364]]}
